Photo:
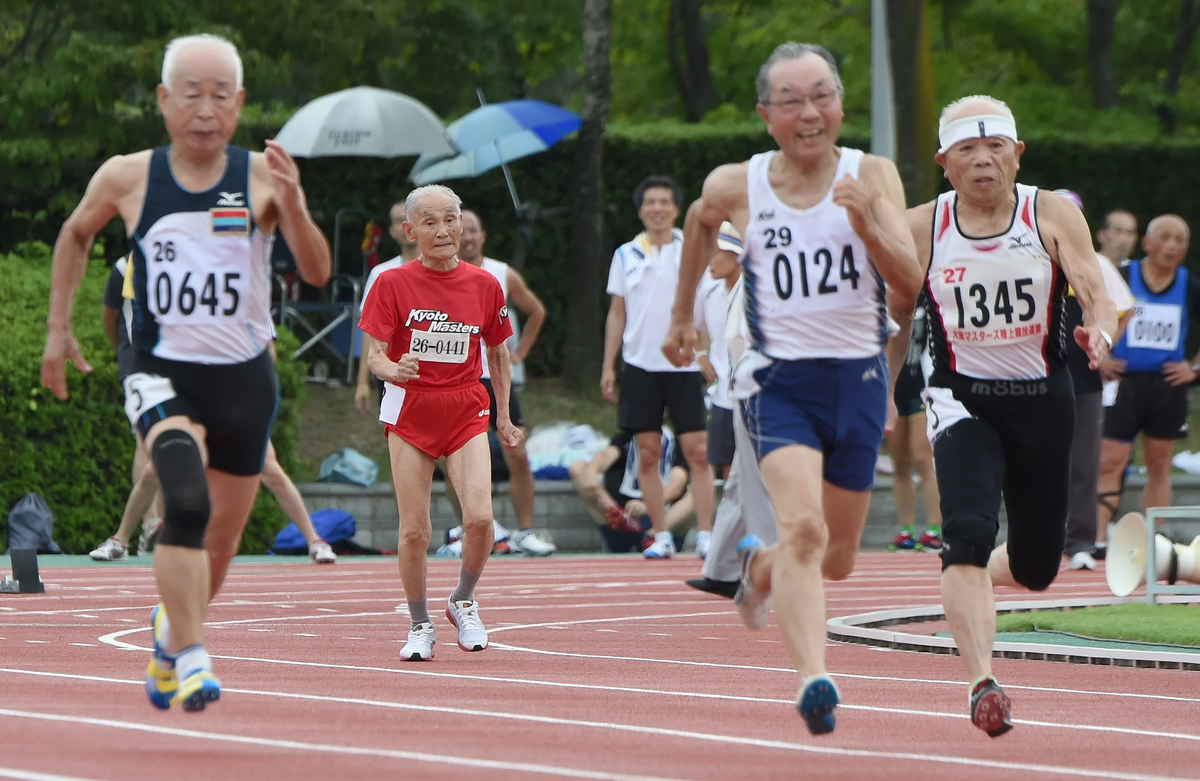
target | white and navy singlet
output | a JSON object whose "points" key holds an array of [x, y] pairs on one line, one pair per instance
{"points": [[811, 289], [201, 282]]}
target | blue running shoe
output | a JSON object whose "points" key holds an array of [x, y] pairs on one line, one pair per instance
{"points": [[160, 673], [817, 701], [198, 690], [753, 606]]}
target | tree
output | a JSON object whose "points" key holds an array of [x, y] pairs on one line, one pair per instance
{"points": [[1101, 21], [583, 349], [911, 54], [1189, 21], [692, 74]]}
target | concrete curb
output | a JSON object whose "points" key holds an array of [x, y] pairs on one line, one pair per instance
{"points": [[869, 629]]}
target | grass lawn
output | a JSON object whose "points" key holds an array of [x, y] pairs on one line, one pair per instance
{"points": [[330, 422], [1175, 624]]}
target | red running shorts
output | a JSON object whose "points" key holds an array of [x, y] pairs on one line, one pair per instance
{"points": [[440, 422]]}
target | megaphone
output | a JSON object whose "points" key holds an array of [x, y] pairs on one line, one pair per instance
{"points": [[1125, 565]]}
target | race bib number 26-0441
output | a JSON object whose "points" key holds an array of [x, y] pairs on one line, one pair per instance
{"points": [[440, 347]]}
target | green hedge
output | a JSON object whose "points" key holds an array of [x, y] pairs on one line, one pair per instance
{"points": [[1145, 179], [78, 454]]}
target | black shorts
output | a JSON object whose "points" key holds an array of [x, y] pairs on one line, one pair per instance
{"points": [[514, 405], [908, 393], [1146, 402], [1012, 440], [236, 403], [720, 436], [646, 395]]}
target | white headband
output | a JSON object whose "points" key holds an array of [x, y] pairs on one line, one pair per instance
{"points": [[980, 126]]}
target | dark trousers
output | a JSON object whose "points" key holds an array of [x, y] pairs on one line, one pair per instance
{"points": [[1085, 469]]}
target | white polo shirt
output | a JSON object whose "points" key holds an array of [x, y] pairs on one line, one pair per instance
{"points": [[712, 304], [387, 265], [646, 277]]}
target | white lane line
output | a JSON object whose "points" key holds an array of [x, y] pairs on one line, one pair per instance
{"points": [[326, 748], [85, 645], [30, 775], [545, 769], [39, 642], [305, 634]]}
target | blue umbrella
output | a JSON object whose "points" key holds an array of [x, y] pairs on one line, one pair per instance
{"points": [[493, 135]]}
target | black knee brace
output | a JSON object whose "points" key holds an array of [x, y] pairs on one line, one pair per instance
{"points": [[184, 488], [968, 540]]}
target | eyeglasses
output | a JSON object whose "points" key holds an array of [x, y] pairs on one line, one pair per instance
{"points": [[821, 99]]}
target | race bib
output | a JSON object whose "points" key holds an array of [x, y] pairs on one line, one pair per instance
{"points": [[145, 391], [182, 291], [440, 347], [1154, 326], [986, 302]]}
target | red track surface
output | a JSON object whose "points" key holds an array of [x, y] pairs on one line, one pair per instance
{"points": [[599, 668]]}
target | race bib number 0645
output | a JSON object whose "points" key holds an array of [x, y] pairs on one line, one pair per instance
{"points": [[440, 347]]}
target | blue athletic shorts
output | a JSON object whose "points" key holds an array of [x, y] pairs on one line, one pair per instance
{"points": [[835, 406]]}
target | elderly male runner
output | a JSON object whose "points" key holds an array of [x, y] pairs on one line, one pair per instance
{"points": [[823, 229], [1000, 407], [202, 390], [427, 319]]}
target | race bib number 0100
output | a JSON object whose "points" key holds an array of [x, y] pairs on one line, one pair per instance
{"points": [[440, 347], [1155, 326], [987, 303]]}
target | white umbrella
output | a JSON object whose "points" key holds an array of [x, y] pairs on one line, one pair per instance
{"points": [[365, 122]]}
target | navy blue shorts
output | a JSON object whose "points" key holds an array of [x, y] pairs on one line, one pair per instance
{"points": [[835, 406]]}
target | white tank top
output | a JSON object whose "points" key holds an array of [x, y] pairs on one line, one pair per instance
{"points": [[995, 305], [499, 270], [811, 289]]}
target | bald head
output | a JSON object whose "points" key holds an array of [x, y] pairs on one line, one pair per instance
{"points": [[1166, 242]]}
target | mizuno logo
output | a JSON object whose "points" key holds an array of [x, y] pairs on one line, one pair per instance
{"points": [[766, 214], [231, 199], [1020, 242]]}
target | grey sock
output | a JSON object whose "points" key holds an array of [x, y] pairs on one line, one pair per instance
{"points": [[418, 611], [465, 590]]}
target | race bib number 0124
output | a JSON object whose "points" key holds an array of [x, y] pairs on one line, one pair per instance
{"points": [[440, 347]]}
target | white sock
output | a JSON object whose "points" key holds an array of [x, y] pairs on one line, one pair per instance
{"points": [[702, 536], [190, 660], [164, 637], [664, 537]]}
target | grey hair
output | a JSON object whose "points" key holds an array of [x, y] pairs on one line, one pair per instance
{"points": [[178, 44], [410, 203], [998, 107], [792, 51], [1164, 218]]}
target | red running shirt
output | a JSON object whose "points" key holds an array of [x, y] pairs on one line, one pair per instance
{"points": [[440, 316]]}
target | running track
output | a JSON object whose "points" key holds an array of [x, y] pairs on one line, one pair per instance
{"points": [[600, 668]]}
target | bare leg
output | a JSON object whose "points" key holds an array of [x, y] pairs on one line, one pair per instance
{"points": [[182, 573], [412, 474], [1114, 457], [232, 498], [649, 445], [971, 613], [590, 490], [1157, 454], [451, 495], [695, 450], [287, 495], [520, 484], [141, 499], [470, 470]]}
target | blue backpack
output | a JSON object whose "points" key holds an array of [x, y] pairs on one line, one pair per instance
{"points": [[332, 525]]}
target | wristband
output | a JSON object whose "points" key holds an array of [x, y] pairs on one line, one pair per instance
{"points": [[701, 352], [1104, 335]]}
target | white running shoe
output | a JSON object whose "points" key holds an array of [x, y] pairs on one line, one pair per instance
{"points": [[465, 616], [110, 550], [663, 547], [525, 541], [320, 552], [1082, 560], [702, 544], [753, 606], [421, 639], [149, 536]]}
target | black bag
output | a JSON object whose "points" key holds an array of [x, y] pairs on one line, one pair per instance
{"points": [[31, 525]]}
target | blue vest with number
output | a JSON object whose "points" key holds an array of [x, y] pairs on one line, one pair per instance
{"points": [[1158, 327]]}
